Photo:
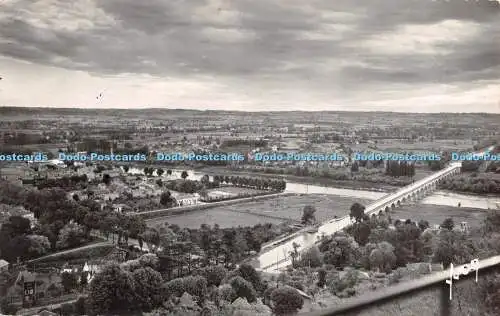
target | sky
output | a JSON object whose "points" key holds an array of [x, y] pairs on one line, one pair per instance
{"points": [[252, 55]]}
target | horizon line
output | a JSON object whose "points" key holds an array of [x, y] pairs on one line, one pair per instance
{"points": [[14, 107]]}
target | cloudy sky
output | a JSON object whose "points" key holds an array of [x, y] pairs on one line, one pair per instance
{"points": [[252, 55]]}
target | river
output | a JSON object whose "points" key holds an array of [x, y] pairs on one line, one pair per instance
{"points": [[436, 198]]}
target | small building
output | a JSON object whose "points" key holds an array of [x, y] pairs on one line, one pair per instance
{"points": [[91, 270], [121, 208], [187, 200], [464, 227], [4, 265]]}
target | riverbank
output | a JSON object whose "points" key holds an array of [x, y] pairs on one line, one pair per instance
{"points": [[341, 184]]}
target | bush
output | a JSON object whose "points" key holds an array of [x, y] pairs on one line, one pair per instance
{"points": [[395, 277], [8, 308], [227, 293], [338, 285], [286, 300], [149, 260], [79, 306], [67, 309], [267, 295]]}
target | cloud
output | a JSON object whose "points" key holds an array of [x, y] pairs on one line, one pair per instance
{"points": [[267, 52], [428, 39]]}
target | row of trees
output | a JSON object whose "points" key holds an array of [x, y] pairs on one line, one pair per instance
{"points": [[482, 183], [256, 183], [74, 182], [335, 174], [400, 169]]}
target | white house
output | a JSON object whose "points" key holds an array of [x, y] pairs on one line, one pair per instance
{"points": [[186, 200], [91, 270], [4, 265]]}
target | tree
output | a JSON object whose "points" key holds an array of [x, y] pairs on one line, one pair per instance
{"points": [[312, 257], [214, 274], [149, 260], [111, 291], [106, 179], [175, 288], [184, 174], [39, 245], [357, 212], [169, 172], [295, 253], [205, 180], [166, 199], [83, 279], [152, 238], [243, 289], [448, 224], [147, 287], [286, 301], [249, 273], [454, 247], [355, 167], [69, 281], [308, 216], [160, 172], [321, 278], [423, 225], [71, 235], [126, 168], [196, 285], [361, 232], [54, 290], [339, 250]]}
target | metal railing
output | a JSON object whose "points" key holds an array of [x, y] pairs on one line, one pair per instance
{"points": [[371, 299]]}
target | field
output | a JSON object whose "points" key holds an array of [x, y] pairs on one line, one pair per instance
{"points": [[247, 214], [395, 145], [436, 214], [223, 217], [234, 191], [291, 207]]}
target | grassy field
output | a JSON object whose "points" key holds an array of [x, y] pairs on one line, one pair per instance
{"points": [[224, 218], [235, 190], [436, 214], [327, 206], [247, 214]]}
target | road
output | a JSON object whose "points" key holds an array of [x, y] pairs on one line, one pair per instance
{"points": [[99, 244]]}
